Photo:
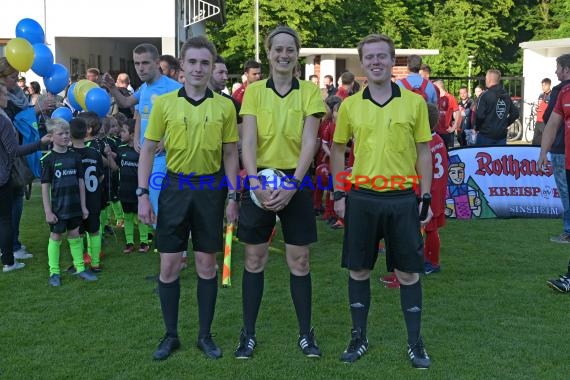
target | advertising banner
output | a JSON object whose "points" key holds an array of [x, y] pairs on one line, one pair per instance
{"points": [[500, 182]]}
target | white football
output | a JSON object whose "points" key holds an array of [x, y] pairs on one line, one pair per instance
{"points": [[270, 179]]}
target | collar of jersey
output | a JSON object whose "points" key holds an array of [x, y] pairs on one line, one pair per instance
{"points": [[195, 103], [396, 93], [294, 86]]}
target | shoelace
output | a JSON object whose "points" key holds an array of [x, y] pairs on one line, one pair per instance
{"points": [[419, 350], [354, 344]]}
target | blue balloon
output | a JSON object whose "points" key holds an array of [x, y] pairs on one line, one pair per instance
{"points": [[97, 100], [71, 98], [58, 79], [31, 31], [62, 113], [43, 60]]}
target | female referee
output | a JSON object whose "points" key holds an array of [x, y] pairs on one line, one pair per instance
{"points": [[280, 123]]}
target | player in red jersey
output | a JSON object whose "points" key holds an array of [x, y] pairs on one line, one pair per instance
{"points": [[332, 102], [326, 130], [438, 190]]}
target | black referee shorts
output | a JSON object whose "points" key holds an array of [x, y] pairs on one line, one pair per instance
{"points": [[393, 216], [182, 208], [297, 221]]}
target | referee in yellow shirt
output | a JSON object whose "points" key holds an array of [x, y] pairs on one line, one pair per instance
{"points": [[391, 129], [280, 122], [198, 126]]}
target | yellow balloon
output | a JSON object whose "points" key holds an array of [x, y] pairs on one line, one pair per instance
{"points": [[81, 89], [20, 54]]}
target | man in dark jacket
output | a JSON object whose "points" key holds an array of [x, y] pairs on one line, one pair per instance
{"points": [[557, 156], [495, 112]]}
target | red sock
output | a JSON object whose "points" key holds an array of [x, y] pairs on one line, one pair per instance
{"points": [[318, 198], [329, 207], [432, 246]]}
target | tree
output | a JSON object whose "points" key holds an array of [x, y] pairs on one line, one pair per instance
{"points": [[460, 28], [236, 39], [491, 30], [549, 19]]}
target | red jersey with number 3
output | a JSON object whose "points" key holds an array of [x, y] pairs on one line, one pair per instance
{"points": [[562, 108], [440, 167]]}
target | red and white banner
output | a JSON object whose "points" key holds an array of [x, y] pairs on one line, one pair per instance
{"points": [[500, 182]]}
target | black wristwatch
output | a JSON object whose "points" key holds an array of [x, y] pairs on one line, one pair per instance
{"points": [[140, 191], [293, 181], [234, 196], [338, 195]]}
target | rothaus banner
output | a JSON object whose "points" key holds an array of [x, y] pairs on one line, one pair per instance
{"points": [[500, 182]]}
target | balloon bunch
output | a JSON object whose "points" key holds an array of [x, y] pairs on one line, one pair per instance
{"points": [[87, 95], [28, 50]]}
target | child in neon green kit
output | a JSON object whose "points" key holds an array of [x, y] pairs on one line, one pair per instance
{"points": [[63, 196]]}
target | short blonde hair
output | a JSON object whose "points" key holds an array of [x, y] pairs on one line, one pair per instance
{"points": [[56, 124], [372, 38]]}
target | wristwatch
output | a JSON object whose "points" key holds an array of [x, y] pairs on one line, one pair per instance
{"points": [[338, 195], [234, 196], [140, 191]]}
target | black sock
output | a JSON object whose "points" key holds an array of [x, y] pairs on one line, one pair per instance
{"points": [[359, 298], [206, 291], [169, 294], [301, 293], [411, 302], [252, 292]]}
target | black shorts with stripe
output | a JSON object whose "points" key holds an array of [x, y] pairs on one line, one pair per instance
{"points": [[393, 216]]}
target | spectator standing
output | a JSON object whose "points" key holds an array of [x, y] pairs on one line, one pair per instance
{"points": [[416, 81], [559, 117], [330, 88], [123, 84], [543, 100], [449, 115], [346, 84], [495, 112], [558, 146], [9, 150], [169, 66], [252, 73], [315, 79], [465, 107]]}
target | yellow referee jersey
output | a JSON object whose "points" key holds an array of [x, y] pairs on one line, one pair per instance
{"points": [[193, 131], [280, 119], [385, 136]]}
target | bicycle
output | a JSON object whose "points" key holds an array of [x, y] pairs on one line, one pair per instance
{"points": [[530, 122]]}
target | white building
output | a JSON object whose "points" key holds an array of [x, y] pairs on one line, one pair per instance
{"points": [[103, 33], [539, 62]]}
